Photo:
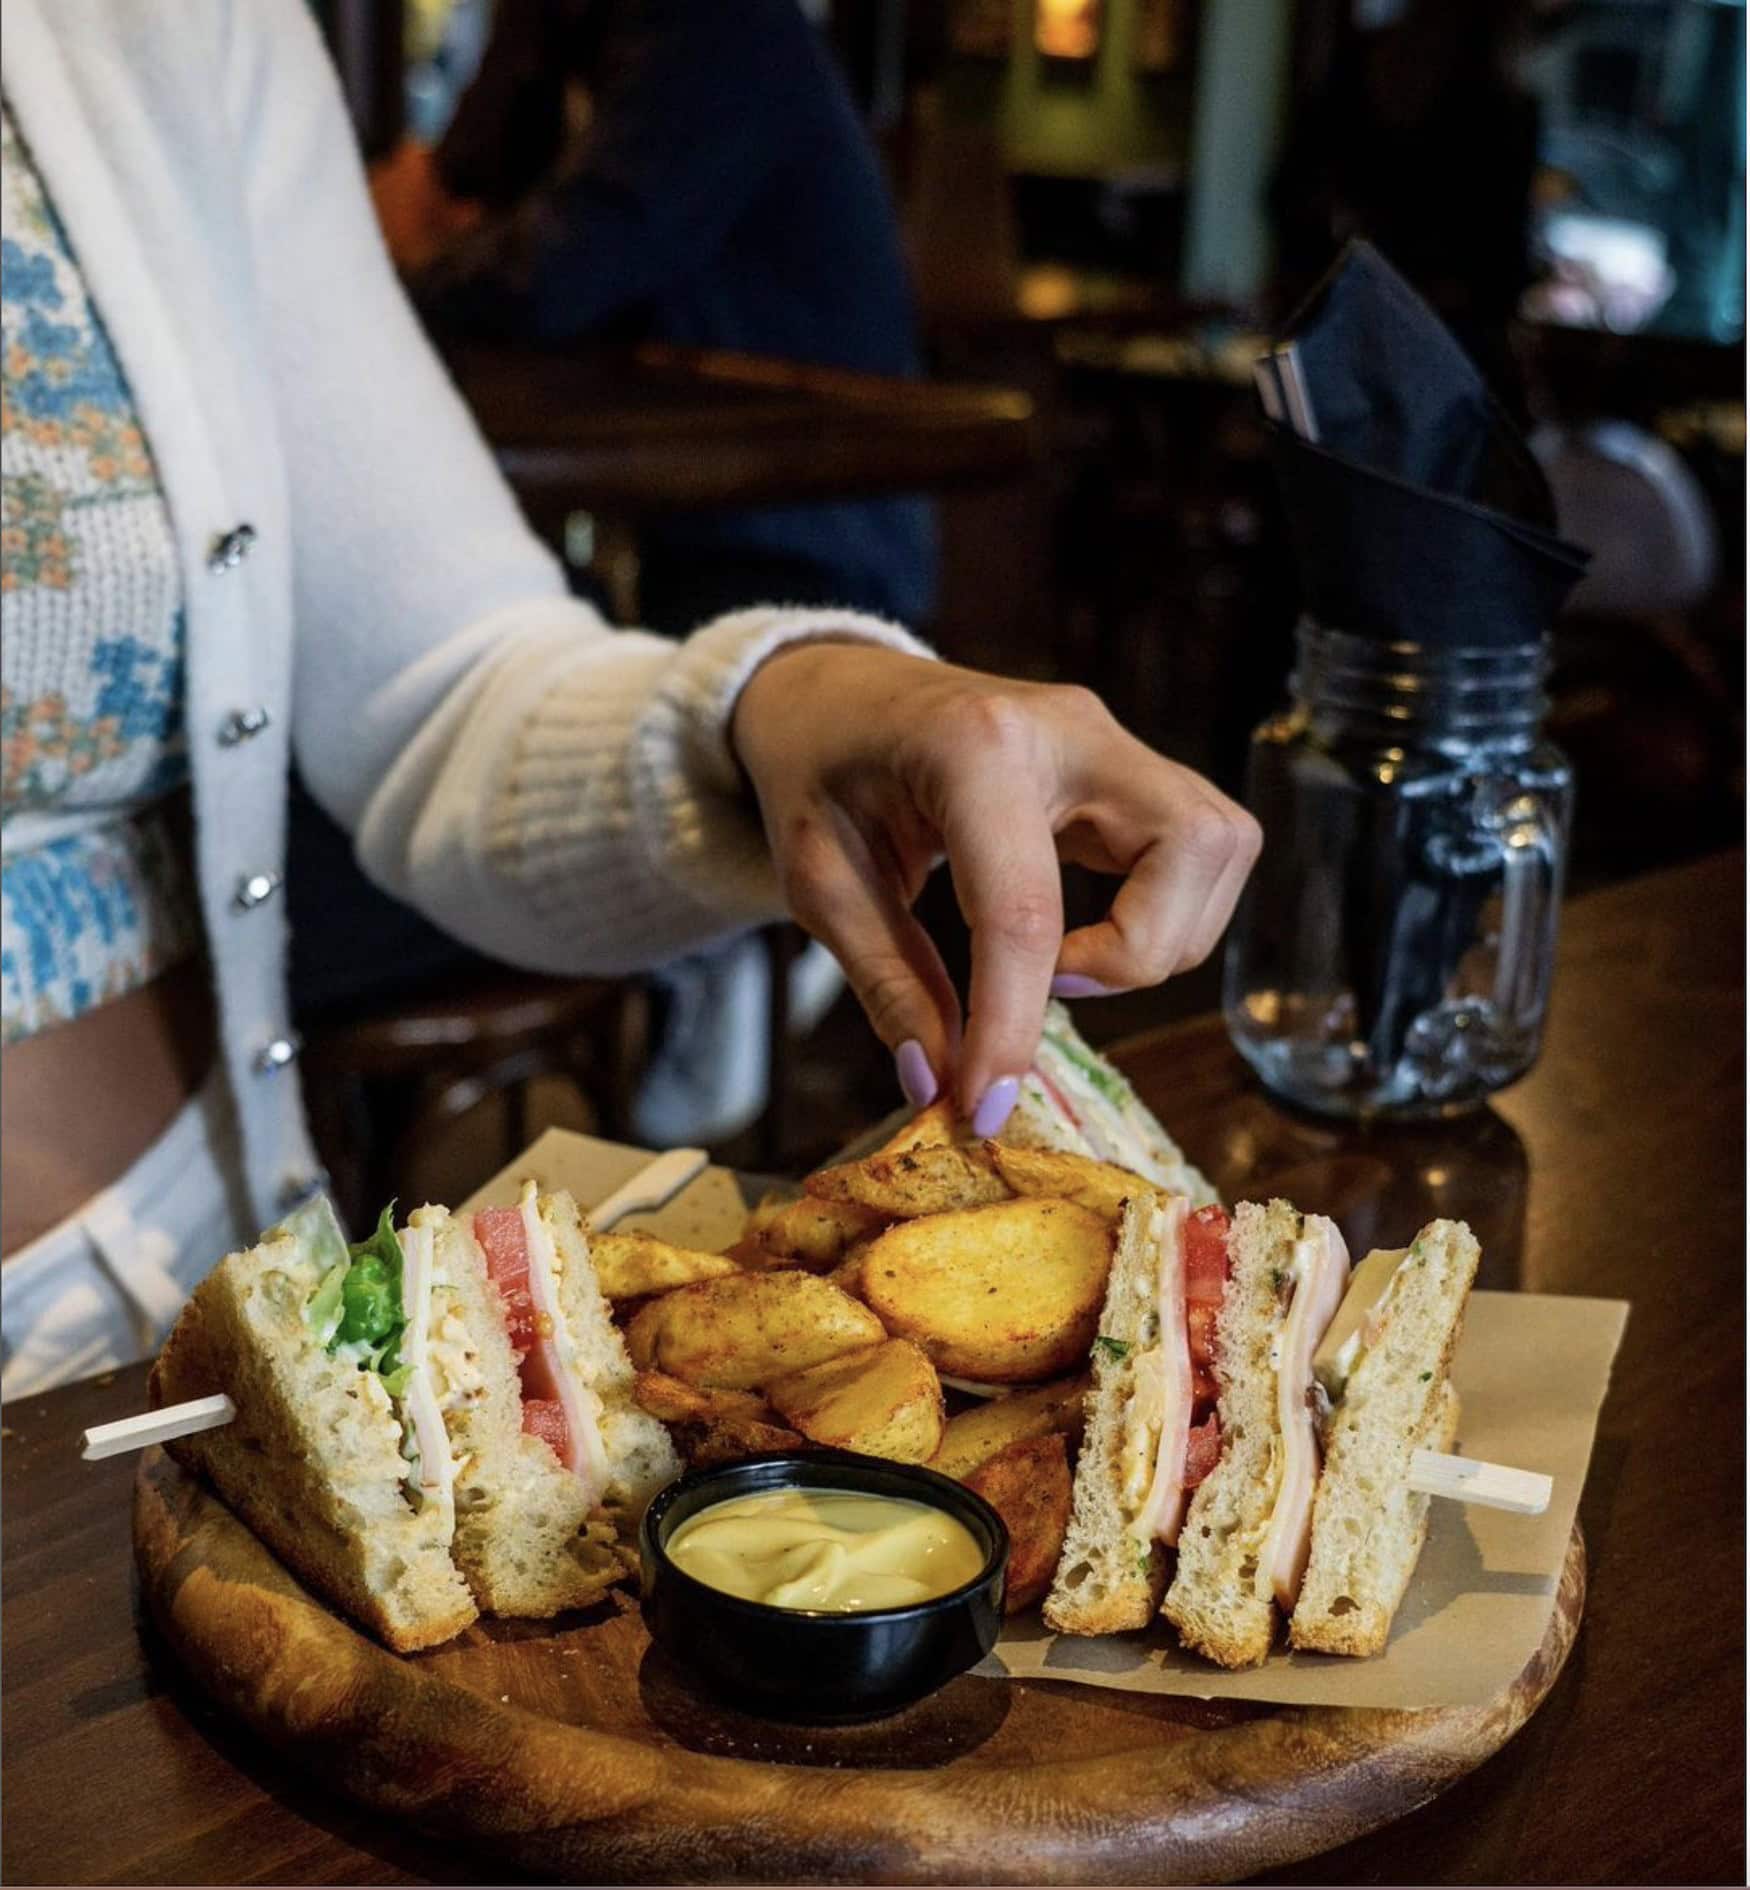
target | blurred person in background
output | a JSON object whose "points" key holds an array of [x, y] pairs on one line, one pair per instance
{"points": [[694, 173], [247, 518]]}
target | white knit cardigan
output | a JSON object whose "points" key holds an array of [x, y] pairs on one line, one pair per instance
{"points": [[555, 792]]}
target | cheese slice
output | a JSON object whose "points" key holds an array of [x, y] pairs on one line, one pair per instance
{"points": [[1319, 1272], [437, 1470], [587, 1458], [1170, 1363], [1350, 1332]]}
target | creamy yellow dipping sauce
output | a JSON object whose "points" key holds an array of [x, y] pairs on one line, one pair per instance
{"points": [[833, 1550]]}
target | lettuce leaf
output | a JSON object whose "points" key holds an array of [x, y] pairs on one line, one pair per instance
{"points": [[325, 1308], [371, 1291]]}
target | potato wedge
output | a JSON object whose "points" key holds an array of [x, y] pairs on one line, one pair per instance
{"points": [[885, 1401], [975, 1436], [676, 1402], [748, 1328], [935, 1125], [935, 1180], [810, 1232], [629, 1266], [1008, 1294], [1102, 1186], [731, 1440], [1028, 1485], [847, 1276]]}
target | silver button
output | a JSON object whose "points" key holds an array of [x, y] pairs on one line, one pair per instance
{"points": [[277, 1055], [241, 725], [254, 888], [229, 549]]}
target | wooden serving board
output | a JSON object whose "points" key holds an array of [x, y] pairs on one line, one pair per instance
{"points": [[575, 1751]]}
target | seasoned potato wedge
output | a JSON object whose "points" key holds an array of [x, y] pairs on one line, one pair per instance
{"points": [[748, 1328], [1102, 1186], [676, 1402], [885, 1401], [977, 1435], [847, 1276], [1028, 1485], [810, 1232], [933, 1180], [1008, 1294], [936, 1124], [629, 1266], [731, 1439]]}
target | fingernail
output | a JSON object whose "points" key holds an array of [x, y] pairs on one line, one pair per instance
{"points": [[916, 1077], [995, 1106], [1071, 984]]}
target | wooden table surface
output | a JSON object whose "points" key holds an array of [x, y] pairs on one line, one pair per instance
{"points": [[1615, 1169], [639, 432]]}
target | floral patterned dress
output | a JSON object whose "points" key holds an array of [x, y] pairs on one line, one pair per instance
{"points": [[96, 886]]}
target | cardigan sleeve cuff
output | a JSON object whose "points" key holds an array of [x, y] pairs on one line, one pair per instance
{"points": [[695, 816]]}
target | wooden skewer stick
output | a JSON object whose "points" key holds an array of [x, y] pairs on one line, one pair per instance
{"points": [[653, 1186], [158, 1427], [1467, 1480]]}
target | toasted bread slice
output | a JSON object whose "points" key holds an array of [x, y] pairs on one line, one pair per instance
{"points": [[1220, 1600], [524, 1538], [641, 1456], [1107, 1579], [1368, 1526], [312, 1461]]}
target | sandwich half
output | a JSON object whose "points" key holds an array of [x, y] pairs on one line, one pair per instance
{"points": [[338, 1457], [1151, 1431], [431, 1422], [569, 1459], [1384, 1374], [1244, 1544], [1074, 1100]]}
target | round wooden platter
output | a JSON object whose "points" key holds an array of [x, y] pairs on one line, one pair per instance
{"points": [[575, 1751]]}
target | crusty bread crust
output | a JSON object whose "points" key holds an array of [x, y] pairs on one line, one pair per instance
{"points": [[1368, 1526], [1221, 1601], [1106, 1581], [524, 1539], [311, 1462], [641, 1454]]}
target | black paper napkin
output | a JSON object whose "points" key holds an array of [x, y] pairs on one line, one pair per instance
{"points": [[1418, 513]]}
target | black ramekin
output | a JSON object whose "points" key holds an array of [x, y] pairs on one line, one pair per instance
{"points": [[807, 1665]]}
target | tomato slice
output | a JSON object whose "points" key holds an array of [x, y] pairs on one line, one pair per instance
{"points": [[545, 1418], [1202, 1450], [1206, 1262], [505, 1243], [1200, 1331]]}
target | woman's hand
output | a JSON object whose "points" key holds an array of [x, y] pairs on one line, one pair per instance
{"points": [[872, 767]]}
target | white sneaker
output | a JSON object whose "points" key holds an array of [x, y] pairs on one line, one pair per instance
{"points": [[710, 1075]]}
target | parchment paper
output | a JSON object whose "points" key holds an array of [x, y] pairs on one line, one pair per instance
{"points": [[1531, 1372]]}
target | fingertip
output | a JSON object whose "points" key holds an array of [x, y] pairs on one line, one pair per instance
{"points": [[1074, 984], [917, 1079], [992, 1111]]}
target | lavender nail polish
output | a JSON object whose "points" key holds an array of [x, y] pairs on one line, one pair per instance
{"points": [[1071, 984], [995, 1106], [916, 1077]]}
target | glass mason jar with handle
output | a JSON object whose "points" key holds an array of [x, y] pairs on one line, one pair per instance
{"points": [[1393, 951]]}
